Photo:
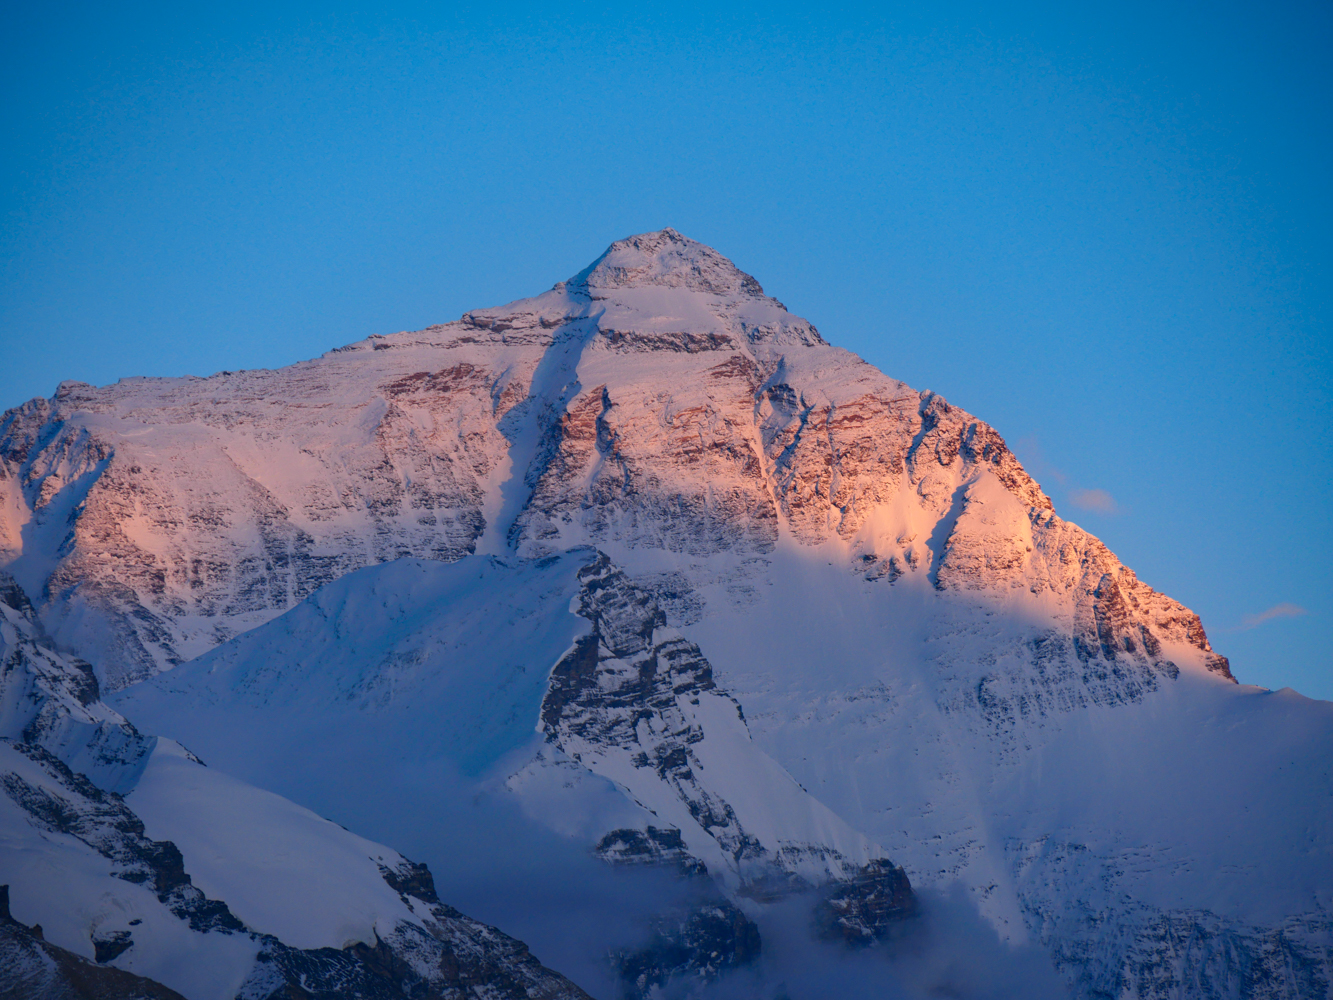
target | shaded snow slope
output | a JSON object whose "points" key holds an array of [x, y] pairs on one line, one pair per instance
{"points": [[459, 653], [360, 920], [1100, 811], [173, 871], [442, 663], [282, 870], [33, 967]]}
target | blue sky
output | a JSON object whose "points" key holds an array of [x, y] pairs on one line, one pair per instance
{"points": [[1105, 231]]}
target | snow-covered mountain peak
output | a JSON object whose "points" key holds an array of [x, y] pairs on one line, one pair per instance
{"points": [[689, 584], [658, 404], [668, 259], [652, 292]]}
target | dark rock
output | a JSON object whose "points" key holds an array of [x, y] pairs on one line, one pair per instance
{"points": [[412, 879], [624, 672], [696, 944], [867, 907], [106, 949]]}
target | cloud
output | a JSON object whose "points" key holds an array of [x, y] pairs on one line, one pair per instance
{"points": [[1098, 501], [1276, 611], [948, 951], [1034, 460]]}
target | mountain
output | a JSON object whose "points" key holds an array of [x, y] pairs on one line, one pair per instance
{"points": [[643, 567], [657, 401]]}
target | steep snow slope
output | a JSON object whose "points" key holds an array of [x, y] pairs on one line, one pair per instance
{"points": [[194, 880], [81, 864], [33, 967]]}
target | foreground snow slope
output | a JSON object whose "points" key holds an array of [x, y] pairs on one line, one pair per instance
{"points": [[173, 871], [1166, 833]]}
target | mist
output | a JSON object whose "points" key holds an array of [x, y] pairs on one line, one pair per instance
{"points": [[947, 950], [498, 864]]}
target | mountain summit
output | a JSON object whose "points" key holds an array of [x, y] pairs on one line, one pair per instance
{"points": [[654, 291], [700, 591], [668, 260]]}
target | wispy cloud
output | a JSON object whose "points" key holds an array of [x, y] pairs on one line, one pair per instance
{"points": [[1034, 459], [1276, 611], [1098, 501]]}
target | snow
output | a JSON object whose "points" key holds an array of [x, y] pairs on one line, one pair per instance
{"points": [[1196, 797], [281, 869], [1214, 814], [457, 653], [61, 883]]}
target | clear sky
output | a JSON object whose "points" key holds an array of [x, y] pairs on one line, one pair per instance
{"points": [[1105, 231]]}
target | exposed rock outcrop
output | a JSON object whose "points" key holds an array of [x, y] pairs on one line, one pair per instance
{"points": [[689, 947], [52, 700], [636, 702], [868, 906], [690, 943]]}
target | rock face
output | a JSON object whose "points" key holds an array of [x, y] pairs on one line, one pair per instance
{"points": [[51, 700], [867, 906], [688, 948], [635, 702], [691, 943], [778, 622]]}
